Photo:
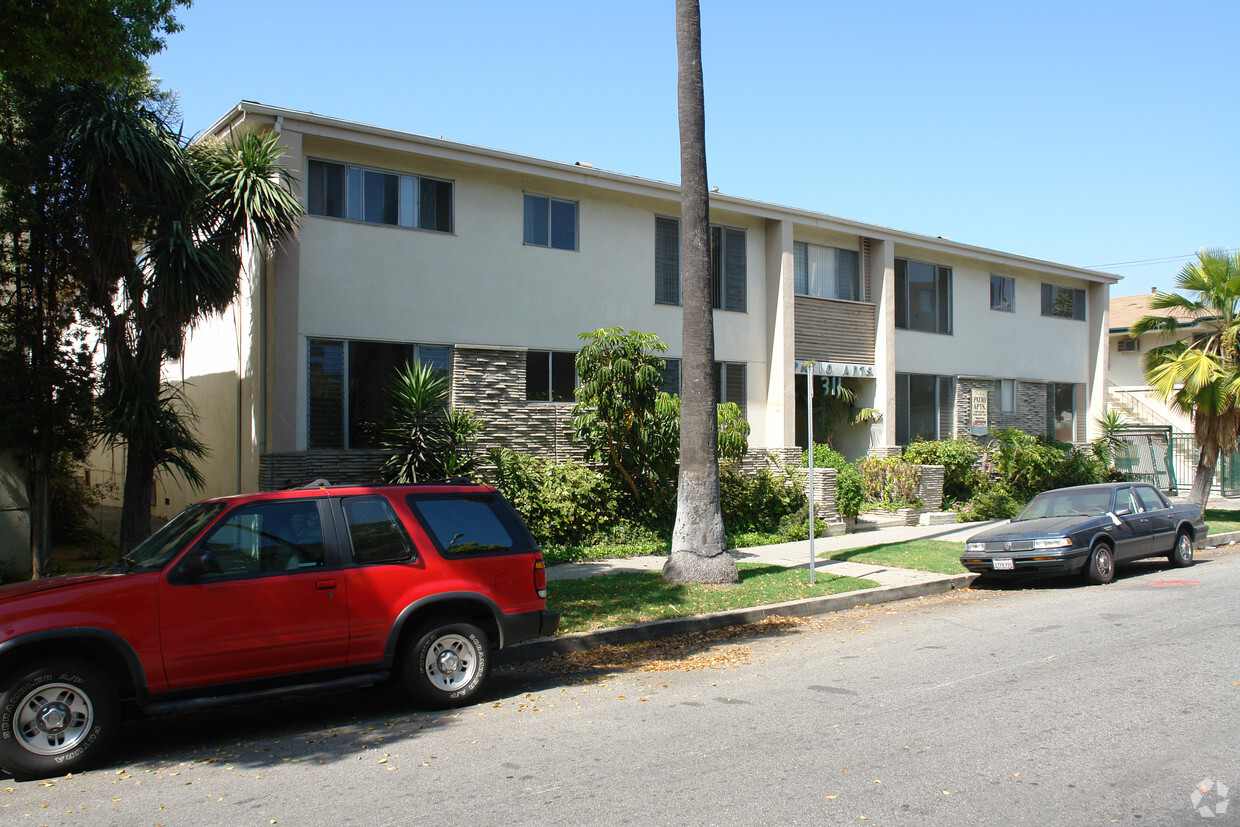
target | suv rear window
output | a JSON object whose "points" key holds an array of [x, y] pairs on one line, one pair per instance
{"points": [[462, 524]]}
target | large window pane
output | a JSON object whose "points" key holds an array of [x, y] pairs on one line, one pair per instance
{"points": [[355, 194], [1065, 409], [375, 531], [923, 418], [325, 409], [435, 205], [381, 197], [848, 266], [922, 297], [326, 189], [372, 367], [666, 261], [536, 220], [564, 225], [563, 376]]}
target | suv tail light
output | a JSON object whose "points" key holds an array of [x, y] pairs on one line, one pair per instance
{"points": [[540, 575]]}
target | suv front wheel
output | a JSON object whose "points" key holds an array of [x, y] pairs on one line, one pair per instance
{"points": [[55, 717], [448, 664]]}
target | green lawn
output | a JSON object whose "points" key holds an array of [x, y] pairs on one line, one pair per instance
{"points": [[1222, 521], [927, 555], [635, 597]]}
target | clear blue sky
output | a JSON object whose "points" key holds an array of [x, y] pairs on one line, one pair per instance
{"points": [[1088, 133]]}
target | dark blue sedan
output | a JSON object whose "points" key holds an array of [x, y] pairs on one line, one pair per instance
{"points": [[1087, 530]]}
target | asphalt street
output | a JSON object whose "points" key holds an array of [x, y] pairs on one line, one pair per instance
{"points": [[1054, 705]]}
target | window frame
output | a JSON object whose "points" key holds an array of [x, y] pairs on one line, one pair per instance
{"points": [[800, 261], [326, 560], [549, 203], [1010, 402], [317, 420], [942, 290], [1051, 294], [1003, 281], [410, 196], [551, 374], [729, 288]]}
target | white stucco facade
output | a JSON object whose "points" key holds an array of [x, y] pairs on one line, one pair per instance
{"points": [[479, 288]]}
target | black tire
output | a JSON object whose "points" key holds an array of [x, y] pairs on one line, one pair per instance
{"points": [[56, 716], [1181, 555], [448, 664], [1100, 568]]}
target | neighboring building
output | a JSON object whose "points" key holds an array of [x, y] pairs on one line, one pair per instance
{"points": [[14, 520], [489, 264], [1128, 391]]}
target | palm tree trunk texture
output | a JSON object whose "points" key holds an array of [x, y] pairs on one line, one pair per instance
{"points": [[1207, 459], [138, 494], [698, 552]]}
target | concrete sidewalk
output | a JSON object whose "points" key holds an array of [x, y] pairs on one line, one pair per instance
{"points": [[893, 584]]}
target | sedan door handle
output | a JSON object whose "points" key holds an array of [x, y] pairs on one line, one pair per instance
{"points": [[325, 584]]}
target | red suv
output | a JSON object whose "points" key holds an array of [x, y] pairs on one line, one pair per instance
{"points": [[259, 595]]}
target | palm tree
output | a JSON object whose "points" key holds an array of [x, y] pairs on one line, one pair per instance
{"points": [[1200, 376], [699, 548], [166, 225]]}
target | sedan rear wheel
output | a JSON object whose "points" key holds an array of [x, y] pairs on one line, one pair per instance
{"points": [[1181, 555], [1100, 569]]}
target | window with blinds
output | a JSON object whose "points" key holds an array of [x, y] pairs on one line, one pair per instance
{"points": [[730, 384], [728, 267], [376, 197], [826, 272], [925, 407]]}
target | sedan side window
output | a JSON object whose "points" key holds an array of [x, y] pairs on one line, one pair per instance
{"points": [[269, 537], [1125, 503], [1151, 499]]}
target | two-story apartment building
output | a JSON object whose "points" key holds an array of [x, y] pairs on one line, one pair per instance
{"points": [[490, 264]]}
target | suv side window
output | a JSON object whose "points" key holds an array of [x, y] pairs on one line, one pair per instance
{"points": [[462, 524], [267, 537], [375, 531]]}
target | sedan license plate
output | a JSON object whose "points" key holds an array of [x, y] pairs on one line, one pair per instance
{"points": [[1004, 564]]}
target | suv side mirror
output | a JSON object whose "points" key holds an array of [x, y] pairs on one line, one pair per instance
{"points": [[198, 562]]}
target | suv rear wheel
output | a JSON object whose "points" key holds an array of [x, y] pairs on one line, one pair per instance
{"points": [[55, 717], [448, 664]]}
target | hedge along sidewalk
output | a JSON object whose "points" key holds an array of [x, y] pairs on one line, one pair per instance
{"points": [[894, 584]]}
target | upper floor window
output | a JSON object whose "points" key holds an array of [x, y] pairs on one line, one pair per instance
{"points": [[550, 222], [347, 387], [1064, 302], [550, 376], [1128, 346], [1003, 293], [826, 272], [727, 265], [923, 296], [359, 194]]}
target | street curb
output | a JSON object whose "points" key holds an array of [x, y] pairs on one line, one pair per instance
{"points": [[656, 629], [1223, 539]]}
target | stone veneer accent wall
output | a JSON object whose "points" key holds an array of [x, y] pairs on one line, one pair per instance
{"points": [[491, 383], [1029, 416], [930, 486], [288, 470]]}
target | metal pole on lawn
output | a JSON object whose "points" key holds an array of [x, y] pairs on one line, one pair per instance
{"points": [[809, 425]]}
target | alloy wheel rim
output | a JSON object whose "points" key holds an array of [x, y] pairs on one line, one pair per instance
{"points": [[53, 718], [451, 662]]}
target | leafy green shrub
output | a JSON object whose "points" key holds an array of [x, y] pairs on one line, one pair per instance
{"points": [[562, 503], [991, 503], [824, 457], [795, 526], [849, 490], [758, 502], [958, 457], [1027, 466], [890, 482]]}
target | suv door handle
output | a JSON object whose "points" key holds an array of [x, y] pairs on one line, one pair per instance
{"points": [[325, 584]]}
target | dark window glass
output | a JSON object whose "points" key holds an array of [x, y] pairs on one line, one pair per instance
{"points": [[280, 536], [1002, 293], [465, 524], [563, 376], [1150, 498], [666, 261], [435, 205], [1063, 302], [325, 411], [550, 376], [537, 216], [923, 297], [375, 531], [564, 225], [537, 376], [1063, 427], [923, 409], [848, 267], [381, 197], [326, 189], [355, 194], [372, 367], [671, 377]]}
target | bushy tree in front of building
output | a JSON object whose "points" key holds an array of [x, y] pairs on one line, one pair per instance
{"points": [[427, 438]]}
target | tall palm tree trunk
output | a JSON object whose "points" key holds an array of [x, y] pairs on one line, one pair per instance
{"points": [[698, 552], [1207, 460]]}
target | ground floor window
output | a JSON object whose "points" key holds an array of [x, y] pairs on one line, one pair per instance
{"points": [[348, 387], [1061, 411], [730, 384], [550, 376], [925, 407]]}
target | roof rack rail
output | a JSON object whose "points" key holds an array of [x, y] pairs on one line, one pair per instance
{"points": [[317, 483]]}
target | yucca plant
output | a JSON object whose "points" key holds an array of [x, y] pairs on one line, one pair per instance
{"points": [[427, 438]]}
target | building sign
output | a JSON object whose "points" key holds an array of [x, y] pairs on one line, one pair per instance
{"points": [[836, 369], [979, 416]]}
